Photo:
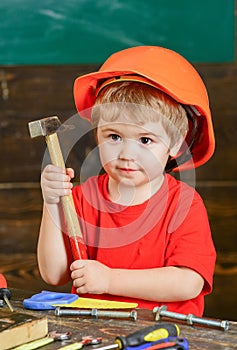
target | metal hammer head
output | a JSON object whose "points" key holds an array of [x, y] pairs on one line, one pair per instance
{"points": [[44, 127]]}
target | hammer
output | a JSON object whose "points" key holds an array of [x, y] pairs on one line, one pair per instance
{"points": [[48, 127]]}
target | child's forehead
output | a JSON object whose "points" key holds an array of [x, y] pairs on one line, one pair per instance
{"points": [[132, 126], [130, 110]]}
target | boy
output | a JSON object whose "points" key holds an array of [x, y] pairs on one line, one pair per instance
{"points": [[147, 234]]}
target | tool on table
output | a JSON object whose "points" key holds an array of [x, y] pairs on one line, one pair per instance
{"points": [[189, 319], [91, 303], [146, 336], [177, 343], [95, 313], [46, 299], [48, 127], [88, 340], [5, 293], [52, 336]]}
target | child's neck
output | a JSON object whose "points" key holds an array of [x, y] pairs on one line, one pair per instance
{"points": [[128, 195]]}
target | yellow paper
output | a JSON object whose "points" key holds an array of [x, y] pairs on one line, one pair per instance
{"points": [[87, 303]]}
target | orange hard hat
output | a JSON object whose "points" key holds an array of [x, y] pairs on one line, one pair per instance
{"points": [[169, 72]]}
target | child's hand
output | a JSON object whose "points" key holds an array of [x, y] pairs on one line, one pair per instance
{"points": [[90, 276], [55, 182]]}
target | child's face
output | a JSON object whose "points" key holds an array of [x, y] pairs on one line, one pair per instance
{"points": [[131, 153]]}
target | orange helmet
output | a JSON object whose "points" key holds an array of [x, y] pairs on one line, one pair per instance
{"points": [[169, 72]]}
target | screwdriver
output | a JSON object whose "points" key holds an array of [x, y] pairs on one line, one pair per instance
{"points": [[168, 343], [5, 293], [146, 336]]}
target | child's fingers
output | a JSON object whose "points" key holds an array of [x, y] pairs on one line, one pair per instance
{"points": [[55, 183], [53, 168], [57, 191], [79, 278], [77, 264], [57, 178], [70, 172], [53, 173]]}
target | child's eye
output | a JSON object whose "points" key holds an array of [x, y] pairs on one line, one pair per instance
{"points": [[115, 137], [145, 140]]}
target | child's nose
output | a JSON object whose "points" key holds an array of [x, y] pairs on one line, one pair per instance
{"points": [[128, 150]]}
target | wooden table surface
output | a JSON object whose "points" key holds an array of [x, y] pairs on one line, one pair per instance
{"points": [[199, 338]]}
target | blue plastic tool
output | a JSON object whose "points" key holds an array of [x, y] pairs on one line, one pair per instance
{"points": [[180, 344], [46, 299]]}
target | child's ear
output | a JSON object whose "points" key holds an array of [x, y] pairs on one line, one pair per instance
{"points": [[176, 147]]}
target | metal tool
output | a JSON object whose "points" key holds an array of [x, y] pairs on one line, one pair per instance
{"points": [[95, 313], [48, 127], [52, 336], [46, 300], [145, 336], [189, 319], [170, 343], [88, 340], [5, 293]]}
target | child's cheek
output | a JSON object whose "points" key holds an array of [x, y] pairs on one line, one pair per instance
{"points": [[108, 153], [153, 164]]}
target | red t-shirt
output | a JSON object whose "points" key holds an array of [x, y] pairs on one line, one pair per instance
{"points": [[169, 229]]}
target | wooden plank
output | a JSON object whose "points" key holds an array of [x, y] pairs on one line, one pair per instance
{"points": [[221, 82], [21, 271], [20, 215], [222, 302], [221, 203], [17, 328], [20, 212], [38, 91]]}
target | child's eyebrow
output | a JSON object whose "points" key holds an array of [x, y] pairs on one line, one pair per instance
{"points": [[152, 134], [148, 133], [108, 129], [145, 133]]}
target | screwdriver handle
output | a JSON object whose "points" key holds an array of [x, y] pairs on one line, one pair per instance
{"points": [[5, 292], [3, 282], [149, 334]]}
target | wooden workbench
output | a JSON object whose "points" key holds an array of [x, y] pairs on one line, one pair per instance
{"points": [[199, 338]]}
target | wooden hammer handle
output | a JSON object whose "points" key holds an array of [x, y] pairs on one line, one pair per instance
{"points": [[74, 231]]}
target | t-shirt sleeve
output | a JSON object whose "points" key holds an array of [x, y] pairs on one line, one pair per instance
{"points": [[191, 245]]}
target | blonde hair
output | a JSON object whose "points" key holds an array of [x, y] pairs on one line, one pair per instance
{"points": [[140, 103]]}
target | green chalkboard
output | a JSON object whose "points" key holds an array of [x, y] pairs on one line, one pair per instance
{"points": [[88, 31]]}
